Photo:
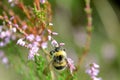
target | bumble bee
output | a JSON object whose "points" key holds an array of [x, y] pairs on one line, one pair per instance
{"points": [[59, 58]]}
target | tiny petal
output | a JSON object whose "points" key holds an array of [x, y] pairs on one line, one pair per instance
{"points": [[71, 64], [62, 44], [24, 27], [42, 1], [49, 31], [38, 38], [49, 37], [35, 43], [7, 40], [35, 49], [54, 33], [21, 42], [12, 16], [9, 22], [95, 65], [29, 46], [44, 45], [2, 44], [14, 29], [16, 25], [8, 33], [50, 24], [31, 56], [3, 34], [54, 43], [95, 78], [5, 60], [30, 37], [10, 1]]}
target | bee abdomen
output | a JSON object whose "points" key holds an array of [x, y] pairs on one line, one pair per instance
{"points": [[59, 67]]}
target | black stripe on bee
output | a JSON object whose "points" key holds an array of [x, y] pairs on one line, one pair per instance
{"points": [[60, 67]]}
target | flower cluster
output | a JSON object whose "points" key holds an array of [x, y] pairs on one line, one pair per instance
{"points": [[36, 42], [33, 33], [6, 35], [93, 71]]}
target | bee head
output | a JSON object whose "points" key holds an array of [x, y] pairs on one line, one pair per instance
{"points": [[57, 49]]}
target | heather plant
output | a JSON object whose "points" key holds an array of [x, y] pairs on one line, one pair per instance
{"points": [[34, 32]]}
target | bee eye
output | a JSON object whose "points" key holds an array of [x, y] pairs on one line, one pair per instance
{"points": [[52, 52]]}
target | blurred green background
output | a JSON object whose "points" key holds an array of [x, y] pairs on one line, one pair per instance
{"points": [[69, 19]]}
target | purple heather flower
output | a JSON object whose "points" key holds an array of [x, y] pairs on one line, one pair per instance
{"points": [[10, 1], [14, 30], [5, 60], [9, 22], [29, 46], [7, 40], [24, 27], [44, 45], [31, 56], [42, 1], [49, 31], [38, 38], [71, 65], [35, 43], [93, 71], [54, 43], [62, 44], [33, 51], [2, 44], [49, 37], [50, 24], [96, 78], [12, 16], [21, 42], [16, 25], [8, 33], [54, 33], [3, 34], [30, 37]]}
